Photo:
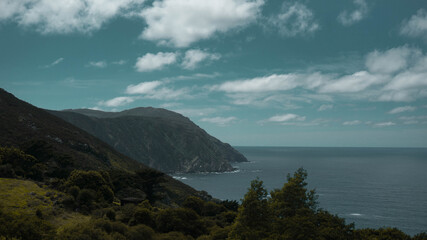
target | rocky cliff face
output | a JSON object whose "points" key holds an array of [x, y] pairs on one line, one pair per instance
{"points": [[161, 139]]}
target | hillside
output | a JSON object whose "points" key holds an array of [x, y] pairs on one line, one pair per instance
{"points": [[159, 138], [55, 148]]}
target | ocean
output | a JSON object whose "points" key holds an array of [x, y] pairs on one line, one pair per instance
{"points": [[372, 187]]}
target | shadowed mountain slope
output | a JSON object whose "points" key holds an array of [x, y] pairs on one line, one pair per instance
{"points": [[62, 147], [159, 138]]}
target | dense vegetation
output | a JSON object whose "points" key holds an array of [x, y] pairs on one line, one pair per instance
{"points": [[88, 205]]}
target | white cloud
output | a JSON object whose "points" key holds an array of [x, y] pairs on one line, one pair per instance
{"points": [[195, 56], [63, 17], [182, 22], [117, 102], [295, 19], [9, 8], [157, 90], [392, 60], [416, 26], [325, 107], [355, 82], [351, 123], [262, 84], [349, 18], [402, 109], [221, 121], [150, 62], [286, 117], [407, 80], [397, 96], [99, 64], [143, 88], [281, 82], [57, 61], [384, 124]]}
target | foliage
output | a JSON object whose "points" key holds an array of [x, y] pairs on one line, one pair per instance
{"points": [[381, 234], [140, 232], [293, 196], [89, 189], [28, 227], [290, 213], [254, 219], [14, 162], [143, 184], [231, 205], [33, 212], [181, 220]]}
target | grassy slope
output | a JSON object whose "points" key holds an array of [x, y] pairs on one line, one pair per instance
{"points": [[25, 197]]}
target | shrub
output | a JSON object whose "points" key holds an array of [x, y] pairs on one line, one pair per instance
{"points": [[143, 216], [182, 220], [110, 214], [194, 203], [140, 232]]}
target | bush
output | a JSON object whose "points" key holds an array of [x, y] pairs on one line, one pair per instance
{"points": [[212, 209], [24, 227], [194, 203], [420, 236], [83, 231], [110, 214], [15, 162], [140, 232], [181, 220], [381, 234], [6, 171], [143, 216]]}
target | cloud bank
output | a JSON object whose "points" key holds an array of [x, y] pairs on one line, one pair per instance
{"points": [[180, 23], [64, 17], [397, 75]]}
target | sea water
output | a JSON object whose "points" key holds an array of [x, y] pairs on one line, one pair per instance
{"points": [[372, 187]]}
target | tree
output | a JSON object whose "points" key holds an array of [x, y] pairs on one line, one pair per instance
{"points": [[293, 208], [293, 196], [253, 218]]}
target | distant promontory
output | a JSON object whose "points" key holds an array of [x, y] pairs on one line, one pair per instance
{"points": [[157, 137]]}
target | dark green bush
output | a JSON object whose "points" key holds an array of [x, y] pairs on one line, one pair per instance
{"points": [[24, 227], [143, 216], [194, 203], [181, 220], [140, 232]]}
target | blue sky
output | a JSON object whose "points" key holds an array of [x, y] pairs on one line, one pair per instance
{"points": [[250, 72]]}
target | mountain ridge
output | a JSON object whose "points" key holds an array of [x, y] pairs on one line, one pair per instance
{"points": [[159, 138], [60, 147]]}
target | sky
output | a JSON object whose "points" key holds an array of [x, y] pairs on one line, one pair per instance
{"points": [[333, 73]]}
